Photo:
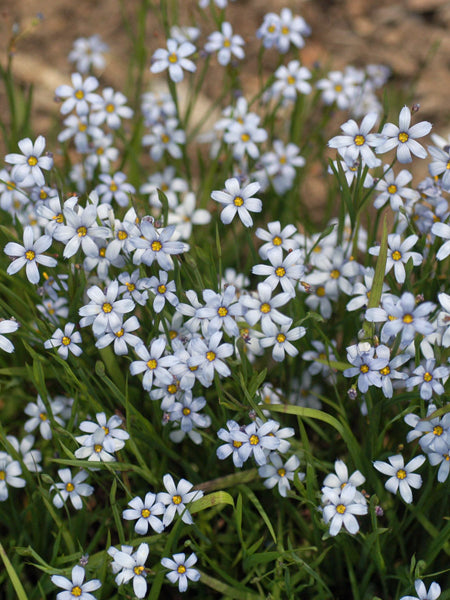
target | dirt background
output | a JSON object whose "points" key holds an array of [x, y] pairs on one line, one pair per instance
{"points": [[411, 36]]}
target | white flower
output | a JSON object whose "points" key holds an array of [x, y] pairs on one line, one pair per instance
{"points": [[39, 416], [75, 588], [398, 255], [30, 254], [439, 166], [176, 498], [31, 457], [7, 326], [164, 290], [157, 245], [165, 137], [208, 355], [153, 364], [71, 487], [131, 566], [181, 569], [433, 593], [404, 137], [113, 434], [291, 81], [9, 475], [263, 307], [393, 188], [27, 166], [279, 473], [145, 512], [65, 340], [238, 200], [87, 53], [342, 508], [357, 141], [104, 310], [111, 108], [79, 96], [115, 187], [225, 44], [121, 337], [401, 476], [286, 271], [174, 58], [280, 337], [80, 230], [275, 237]]}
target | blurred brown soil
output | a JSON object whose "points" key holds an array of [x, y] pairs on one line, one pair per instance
{"points": [[411, 36]]}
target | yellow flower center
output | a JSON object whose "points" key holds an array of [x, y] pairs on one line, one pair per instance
{"points": [[76, 591], [364, 369], [341, 508], [359, 140], [265, 308], [338, 87], [385, 371], [172, 388], [181, 569], [30, 255], [107, 308], [254, 440], [109, 108], [396, 255], [66, 340], [401, 474], [280, 271], [122, 235], [403, 137], [210, 355], [226, 43], [152, 364], [271, 29], [162, 289], [2, 475], [42, 416], [427, 377], [32, 161], [98, 448], [145, 513], [281, 338], [69, 487], [138, 570], [82, 127], [320, 291], [334, 274], [291, 80], [283, 160], [408, 319], [58, 218], [176, 499], [438, 430], [237, 444], [156, 246], [173, 58], [285, 30], [82, 231], [113, 186], [277, 241], [186, 411], [130, 286], [102, 252], [222, 311], [245, 137], [79, 94], [119, 333], [392, 189], [238, 201], [165, 138], [281, 472]]}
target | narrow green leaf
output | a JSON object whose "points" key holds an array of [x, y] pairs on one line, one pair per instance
{"points": [[211, 500], [13, 575]]}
